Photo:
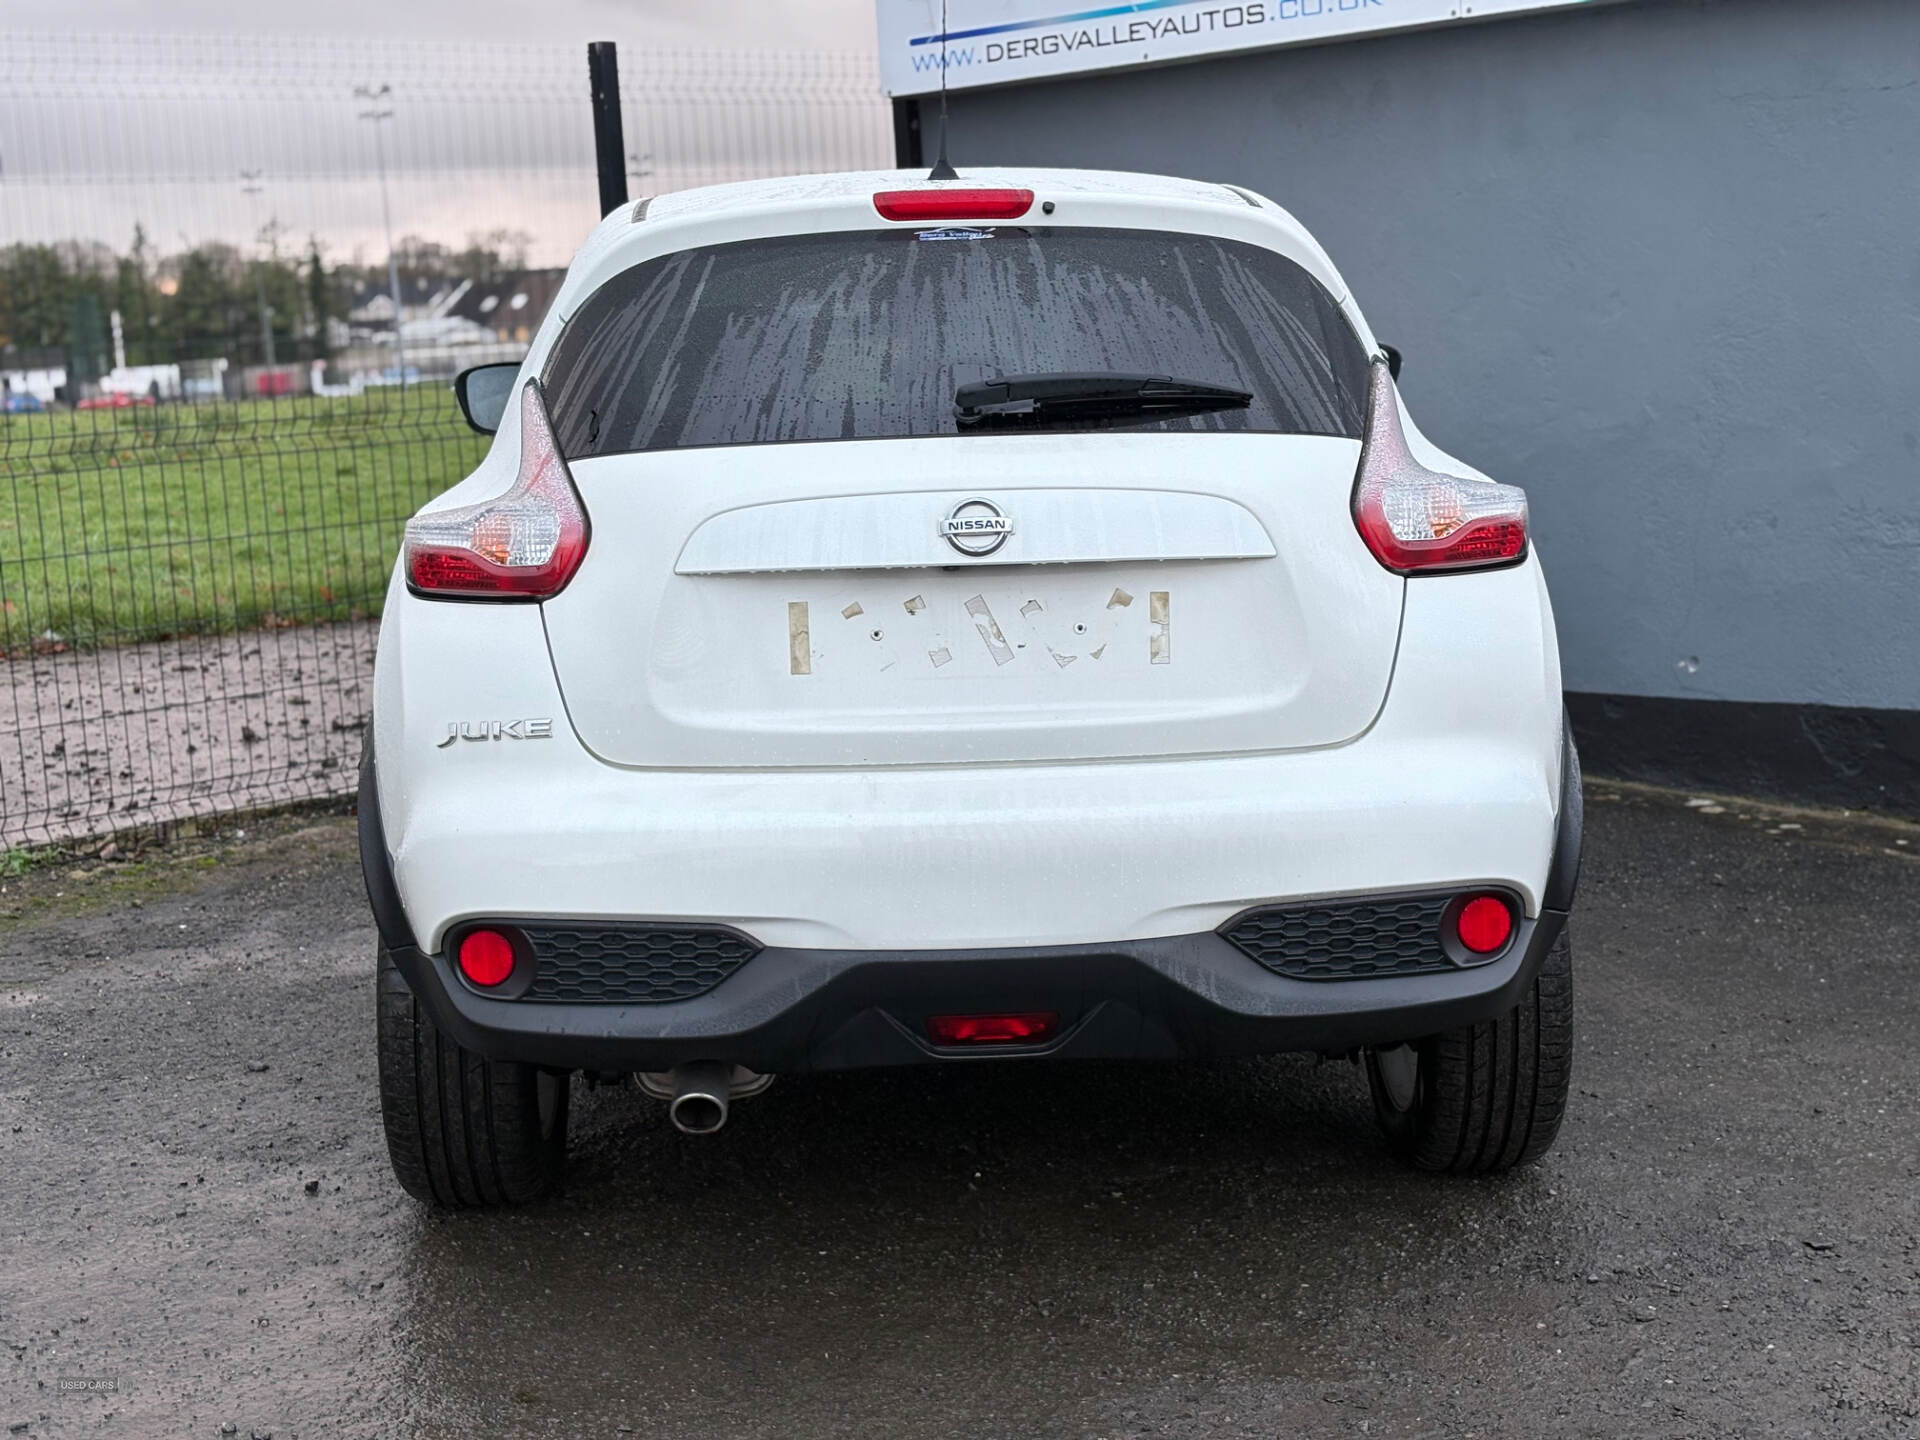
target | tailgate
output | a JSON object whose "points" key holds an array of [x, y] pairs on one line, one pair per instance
{"points": [[801, 605]]}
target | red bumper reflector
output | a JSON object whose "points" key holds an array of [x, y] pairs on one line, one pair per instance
{"points": [[486, 957], [953, 204], [1032, 1028], [1484, 924]]}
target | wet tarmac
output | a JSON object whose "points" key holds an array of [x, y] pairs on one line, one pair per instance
{"points": [[195, 1201]]}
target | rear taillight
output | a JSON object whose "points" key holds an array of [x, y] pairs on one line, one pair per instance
{"points": [[524, 545], [953, 204], [1416, 520]]}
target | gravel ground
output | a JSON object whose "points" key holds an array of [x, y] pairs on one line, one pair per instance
{"points": [[133, 735], [1725, 1243]]}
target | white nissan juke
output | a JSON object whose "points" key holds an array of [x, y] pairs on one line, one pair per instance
{"points": [[906, 622]]}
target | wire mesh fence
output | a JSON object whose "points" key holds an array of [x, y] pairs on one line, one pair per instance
{"points": [[234, 277]]}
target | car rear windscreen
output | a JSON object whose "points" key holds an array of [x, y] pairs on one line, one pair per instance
{"points": [[866, 335]]}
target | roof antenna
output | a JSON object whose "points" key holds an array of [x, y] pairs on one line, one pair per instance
{"points": [[942, 170]]}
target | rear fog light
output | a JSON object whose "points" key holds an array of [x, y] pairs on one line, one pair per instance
{"points": [[1031, 1028]]}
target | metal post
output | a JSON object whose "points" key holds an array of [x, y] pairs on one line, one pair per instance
{"points": [[379, 115], [250, 185], [609, 140], [906, 134]]}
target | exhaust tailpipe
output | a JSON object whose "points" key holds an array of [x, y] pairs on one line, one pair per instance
{"points": [[699, 1093], [701, 1090]]}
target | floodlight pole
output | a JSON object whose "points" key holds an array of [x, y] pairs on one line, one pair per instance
{"points": [[251, 185], [378, 115]]}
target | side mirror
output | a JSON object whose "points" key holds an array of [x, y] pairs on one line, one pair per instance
{"points": [[483, 393], [1393, 360]]}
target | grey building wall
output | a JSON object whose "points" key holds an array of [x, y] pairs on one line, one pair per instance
{"points": [[1657, 262]]}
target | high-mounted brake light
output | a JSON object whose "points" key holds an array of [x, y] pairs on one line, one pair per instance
{"points": [[953, 204], [1416, 520], [523, 545]]}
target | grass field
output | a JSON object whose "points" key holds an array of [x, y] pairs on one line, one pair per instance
{"points": [[122, 525]]}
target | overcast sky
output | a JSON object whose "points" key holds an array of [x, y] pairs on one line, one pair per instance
{"points": [[101, 130], [682, 24]]}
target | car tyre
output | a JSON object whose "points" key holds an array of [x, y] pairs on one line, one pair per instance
{"points": [[463, 1131], [1487, 1097]]}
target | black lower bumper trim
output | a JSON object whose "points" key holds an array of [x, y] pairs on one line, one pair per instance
{"points": [[791, 1011]]}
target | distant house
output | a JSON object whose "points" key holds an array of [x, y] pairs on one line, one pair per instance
{"points": [[505, 310], [512, 306]]}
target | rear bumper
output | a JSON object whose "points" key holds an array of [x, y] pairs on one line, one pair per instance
{"points": [[790, 1010]]}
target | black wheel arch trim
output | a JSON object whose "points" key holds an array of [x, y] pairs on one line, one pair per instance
{"points": [[1563, 873], [376, 866]]}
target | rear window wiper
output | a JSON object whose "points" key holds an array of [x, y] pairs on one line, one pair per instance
{"points": [[1068, 395]]}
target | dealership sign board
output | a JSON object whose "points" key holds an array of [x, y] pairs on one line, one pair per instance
{"points": [[994, 42]]}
